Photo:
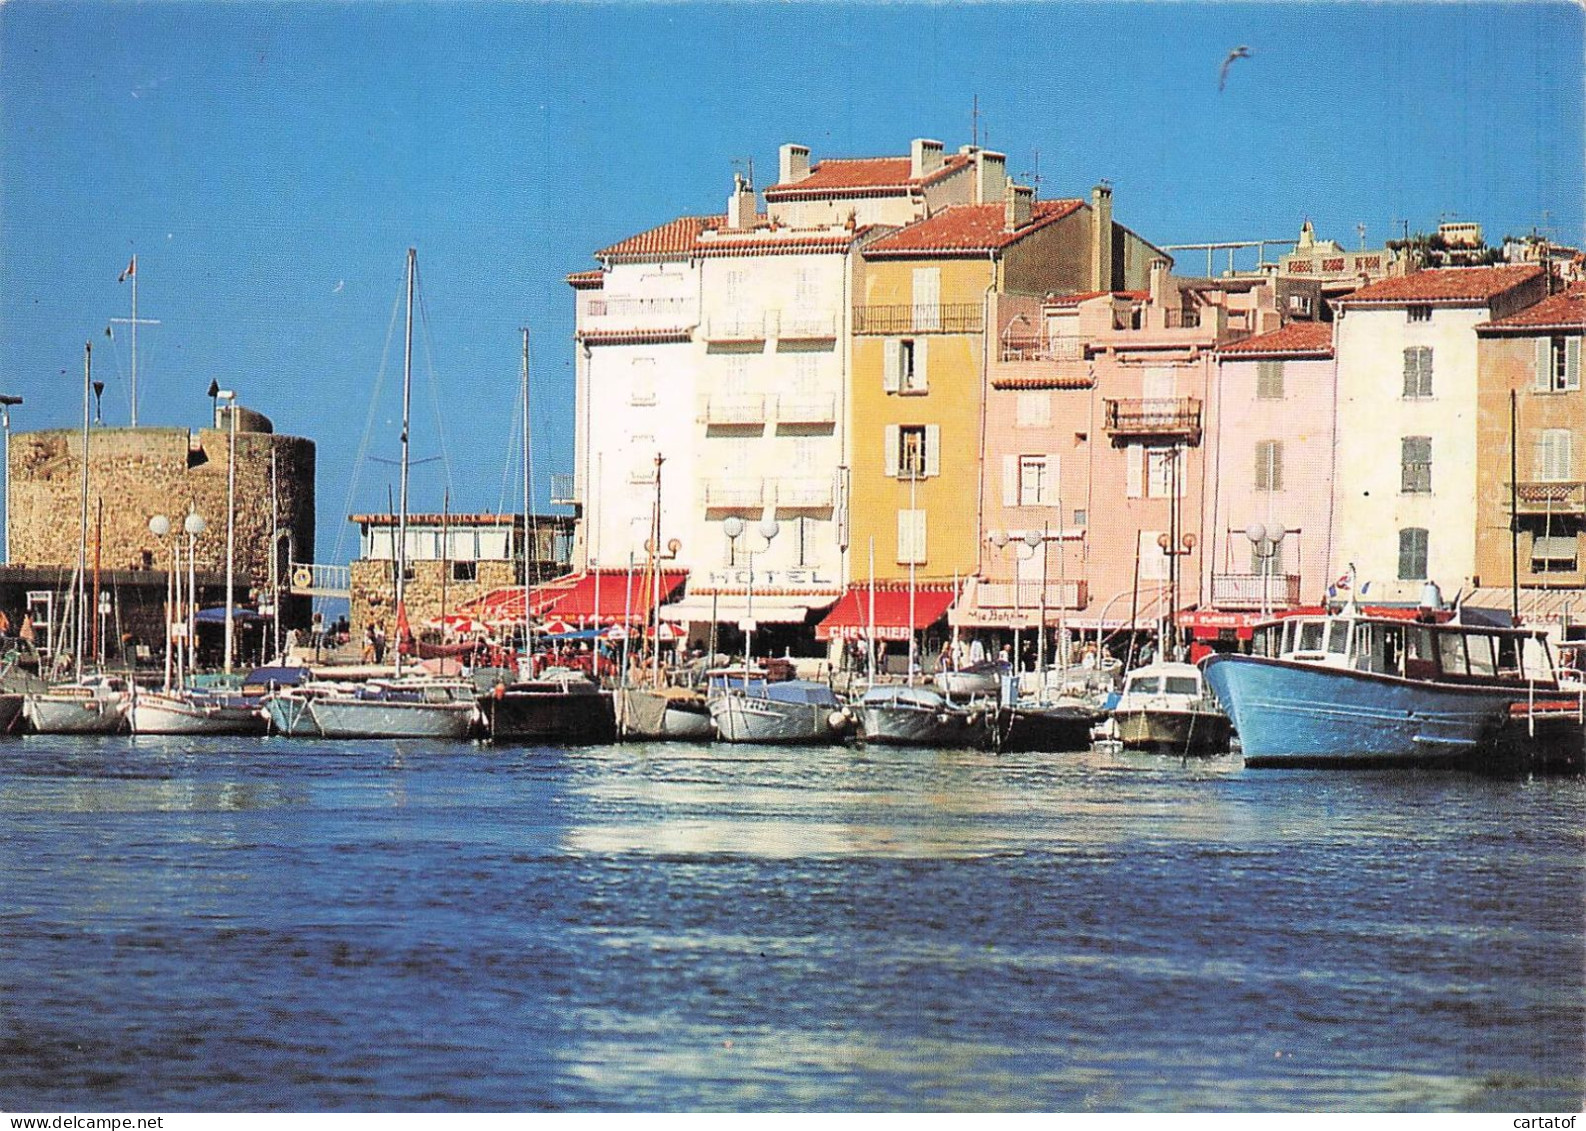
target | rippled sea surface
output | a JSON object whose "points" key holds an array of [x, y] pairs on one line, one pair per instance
{"points": [[270, 924]]}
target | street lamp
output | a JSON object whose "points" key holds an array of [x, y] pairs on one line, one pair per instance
{"points": [[6, 401], [733, 527], [1186, 545], [194, 525], [160, 527], [1266, 543], [1000, 539]]}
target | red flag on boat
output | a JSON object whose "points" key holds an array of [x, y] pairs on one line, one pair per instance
{"points": [[403, 630], [132, 269]]}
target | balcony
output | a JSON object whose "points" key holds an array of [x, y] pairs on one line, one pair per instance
{"points": [[806, 325], [564, 491], [804, 494], [638, 313], [735, 410], [1039, 347], [796, 409], [742, 326], [1545, 497], [1177, 417], [1255, 590], [1073, 593], [734, 494], [923, 318]]}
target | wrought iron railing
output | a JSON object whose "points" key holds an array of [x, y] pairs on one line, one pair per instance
{"points": [[1154, 416], [920, 318], [1255, 590], [1551, 497]]}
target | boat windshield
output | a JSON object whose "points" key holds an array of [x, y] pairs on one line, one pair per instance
{"points": [[1145, 685], [1183, 685]]}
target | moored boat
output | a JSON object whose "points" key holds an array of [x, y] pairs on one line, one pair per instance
{"points": [[10, 712], [196, 711], [1031, 727], [753, 709], [560, 706], [1166, 707], [92, 705], [1362, 689], [396, 708], [665, 713], [914, 715]]}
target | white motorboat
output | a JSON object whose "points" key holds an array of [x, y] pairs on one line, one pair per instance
{"points": [[93, 705]]}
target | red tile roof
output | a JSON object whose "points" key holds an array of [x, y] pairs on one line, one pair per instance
{"points": [[968, 229], [1043, 381], [673, 238], [586, 280], [661, 336], [766, 242], [865, 176], [1566, 311], [1443, 284], [1297, 338]]}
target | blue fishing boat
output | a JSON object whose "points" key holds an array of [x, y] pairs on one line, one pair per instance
{"points": [[1359, 689]]}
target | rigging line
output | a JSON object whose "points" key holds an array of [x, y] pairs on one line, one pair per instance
{"points": [[530, 513], [368, 430], [509, 466], [434, 385]]}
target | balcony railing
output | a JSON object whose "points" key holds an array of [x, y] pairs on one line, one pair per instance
{"points": [[1165, 416], [1255, 590], [564, 491], [638, 313], [734, 493], [1551, 497], [1037, 347], [803, 409], [1181, 319], [806, 324], [922, 318], [749, 326], [1069, 594], [804, 493], [312, 580], [742, 408]]}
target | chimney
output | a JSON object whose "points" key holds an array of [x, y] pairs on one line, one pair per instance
{"points": [[991, 176], [925, 157], [1017, 207], [793, 164], [741, 211], [1101, 239], [1158, 285]]}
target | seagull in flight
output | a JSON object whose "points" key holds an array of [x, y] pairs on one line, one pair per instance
{"points": [[1240, 52], [340, 283]]}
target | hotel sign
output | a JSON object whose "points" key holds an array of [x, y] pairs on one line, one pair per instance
{"points": [[736, 579]]}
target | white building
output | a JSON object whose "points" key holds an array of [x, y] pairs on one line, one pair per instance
{"points": [[1404, 469]]}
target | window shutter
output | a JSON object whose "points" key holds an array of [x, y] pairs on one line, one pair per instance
{"points": [[922, 373], [911, 537], [1572, 363], [1051, 488], [891, 365], [1411, 371], [1010, 481], [890, 456], [1544, 364], [920, 554], [1277, 465], [1134, 456], [933, 449], [1426, 371]]}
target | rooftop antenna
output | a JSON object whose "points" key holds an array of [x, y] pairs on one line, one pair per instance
{"points": [[1034, 175], [132, 273], [974, 123], [744, 163], [1360, 230]]}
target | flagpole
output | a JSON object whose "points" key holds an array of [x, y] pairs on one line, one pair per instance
{"points": [[132, 270]]}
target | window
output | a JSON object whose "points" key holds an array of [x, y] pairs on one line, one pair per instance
{"points": [[1555, 455], [913, 450], [1557, 364], [1165, 473], [1269, 465], [1555, 553], [465, 571], [911, 537], [806, 455], [803, 539], [903, 366], [1153, 562], [1415, 465], [1032, 481], [1418, 371], [806, 373], [1418, 313], [1412, 553], [735, 376], [1034, 410], [643, 381], [732, 288], [1269, 380], [927, 298]]}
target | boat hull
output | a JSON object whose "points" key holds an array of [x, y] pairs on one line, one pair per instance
{"points": [[373, 718], [1038, 730], [745, 718], [1301, 714], [164, 714], [55, 714], [289, 716], [909, 724], [650, 715], [10, 713], [1173, 731], [578, 718]]}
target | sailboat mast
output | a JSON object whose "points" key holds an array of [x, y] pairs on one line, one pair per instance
{"points": [[529, 530], [82, 528], [402, 513], [133, 271], [653, 613]]}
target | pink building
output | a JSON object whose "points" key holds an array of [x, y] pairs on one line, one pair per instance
{"points": [[1270, 508]]}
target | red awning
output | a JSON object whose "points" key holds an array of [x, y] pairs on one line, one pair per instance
{"points": [[607, 596], [850, 617]]}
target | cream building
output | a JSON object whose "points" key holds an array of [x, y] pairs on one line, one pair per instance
{"points": [[1405, 456]]}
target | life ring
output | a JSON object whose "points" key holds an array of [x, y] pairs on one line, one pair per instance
{"points": [[302, 577]]}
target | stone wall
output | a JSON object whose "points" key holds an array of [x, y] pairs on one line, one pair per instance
{"points": [[373, 597], [140, 472]]}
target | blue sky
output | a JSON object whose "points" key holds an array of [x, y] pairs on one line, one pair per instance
{"points": [[270, 164]]}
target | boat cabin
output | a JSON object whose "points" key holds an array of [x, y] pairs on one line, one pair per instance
{"points": [[1411, 649]]}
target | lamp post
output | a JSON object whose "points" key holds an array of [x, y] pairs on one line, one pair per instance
{"points": [[1173, 552], [1000, 539], [1266, 542], [1036, 541], [194, 525], [734, 528], [230, 397], [160, 527], [6, 401]]}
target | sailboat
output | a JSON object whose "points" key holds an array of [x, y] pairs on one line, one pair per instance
{"points": [[398, 708], [561, 706], [88, 704]]}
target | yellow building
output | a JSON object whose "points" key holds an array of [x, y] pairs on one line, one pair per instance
{"points": [[919, 357]]}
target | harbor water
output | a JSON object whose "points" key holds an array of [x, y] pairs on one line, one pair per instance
{"points": [[267, 924]]}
